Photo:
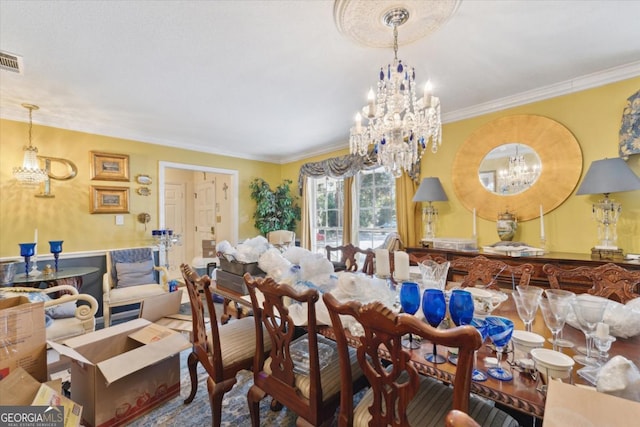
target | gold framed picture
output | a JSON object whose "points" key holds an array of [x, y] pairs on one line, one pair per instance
{"points": [[109, 199], [109, 166]]}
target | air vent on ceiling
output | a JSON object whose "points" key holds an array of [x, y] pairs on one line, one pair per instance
{"points": [[11, 62]]}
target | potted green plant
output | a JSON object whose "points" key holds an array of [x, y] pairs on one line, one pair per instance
{"points": [[275, 209]]}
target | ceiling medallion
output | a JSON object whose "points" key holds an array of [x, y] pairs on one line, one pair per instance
{"points": [[363, 20]]}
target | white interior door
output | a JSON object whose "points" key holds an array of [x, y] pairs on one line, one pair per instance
{"points": [[205, 211], [174, 214]]}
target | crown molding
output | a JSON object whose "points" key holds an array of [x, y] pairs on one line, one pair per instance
{"points": [[578, 84]]}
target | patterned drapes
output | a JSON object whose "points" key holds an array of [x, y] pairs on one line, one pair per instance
{"points": [[335, 167]]}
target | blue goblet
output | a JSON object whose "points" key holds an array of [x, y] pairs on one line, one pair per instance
{"points": [[461, 311], [499, 330], [434, 307], [56, 247], [410, 302], [27, 250], [481, 327]]}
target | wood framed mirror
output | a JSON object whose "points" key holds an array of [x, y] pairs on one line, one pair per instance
{"points": [[560, 167]]}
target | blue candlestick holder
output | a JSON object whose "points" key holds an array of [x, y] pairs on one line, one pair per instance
{"points": [[56, 248], [27, 250]]}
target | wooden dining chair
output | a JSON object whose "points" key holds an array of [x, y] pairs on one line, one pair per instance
{"points": [[457, 418], [226, 350], [301, 373], [348, 258], [608, 281], [484, 272], [399, 395]]}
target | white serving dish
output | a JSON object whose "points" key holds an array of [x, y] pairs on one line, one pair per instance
{"points": [[552, 363], [485, 300], [526, 341]]}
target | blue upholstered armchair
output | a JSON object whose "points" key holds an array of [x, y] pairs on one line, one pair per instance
{"points": [[130, 278]]}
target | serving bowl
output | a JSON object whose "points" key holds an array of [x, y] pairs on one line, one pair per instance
{"points": [[485, 300], [524, 341], [552, 363]]}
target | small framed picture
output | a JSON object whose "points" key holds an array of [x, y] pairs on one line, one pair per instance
{"points": [[109, 199], [488, 180], [109, 166]]}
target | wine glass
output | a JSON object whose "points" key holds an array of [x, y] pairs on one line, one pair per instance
{"points": [[27, 250], [461, 311], [55, 246], [527, 299], [589, 311], [499, 330], [410, 302], [434, 307], [481, 327], [560, 301]]}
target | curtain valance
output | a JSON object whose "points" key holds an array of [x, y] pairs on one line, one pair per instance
{"points": [[336, 167]]}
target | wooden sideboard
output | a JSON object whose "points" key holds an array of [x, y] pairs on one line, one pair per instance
{"points": [[539, 278]]}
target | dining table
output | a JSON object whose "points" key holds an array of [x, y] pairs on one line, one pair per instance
{"points": [[523, 393]]}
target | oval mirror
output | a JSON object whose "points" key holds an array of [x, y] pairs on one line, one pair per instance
{"points": [[560, 166], [509, 169]]}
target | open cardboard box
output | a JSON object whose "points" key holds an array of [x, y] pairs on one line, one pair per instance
{"points": [[122, 372], [164, 310], [19, 388], [22, 337], [570, 405]]}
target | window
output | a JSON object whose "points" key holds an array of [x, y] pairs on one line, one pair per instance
{"points": [[327, 201], [376, 207], [374, 204]]}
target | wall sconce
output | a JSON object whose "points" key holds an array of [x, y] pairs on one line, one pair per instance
{"points": [[31, 174]]}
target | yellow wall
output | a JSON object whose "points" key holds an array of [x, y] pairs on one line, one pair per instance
{"points": [[66, 217], [593, 116]]}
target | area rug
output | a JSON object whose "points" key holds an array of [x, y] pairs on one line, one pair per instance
{"points": [[235, 411]]}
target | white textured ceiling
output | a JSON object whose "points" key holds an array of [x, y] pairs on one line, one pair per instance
{"points": [[275, 80]]}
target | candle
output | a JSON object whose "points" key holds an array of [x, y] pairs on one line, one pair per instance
{"points": [[602, 330], [382, 263], [401, 265], [474, 223], [35, 240], [541, 223], [427, 94], [371, 98], [358, 123]]}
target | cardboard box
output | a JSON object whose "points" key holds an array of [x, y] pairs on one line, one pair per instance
{"points": [[22, 337], [21, 389], [208, 248], [570, 405], [122, 372], [164, 310]]}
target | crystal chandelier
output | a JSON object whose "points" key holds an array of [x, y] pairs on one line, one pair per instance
{"points": [[400, 125], [518, 176], [30, 172]]}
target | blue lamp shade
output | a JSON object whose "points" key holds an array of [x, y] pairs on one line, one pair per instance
{"points": [[609, 176], [430, 190]]}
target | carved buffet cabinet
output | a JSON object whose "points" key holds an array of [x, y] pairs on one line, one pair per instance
{"points": [[539, 278]]}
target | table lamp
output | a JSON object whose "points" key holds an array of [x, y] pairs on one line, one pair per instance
{"points": [[430, 190], [608, 176]]}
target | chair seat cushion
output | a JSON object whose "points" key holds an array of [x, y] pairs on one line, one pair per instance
{"points": [[431, 404], [329, 376], [61, 329], [238, 340], [133, 294]]}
